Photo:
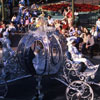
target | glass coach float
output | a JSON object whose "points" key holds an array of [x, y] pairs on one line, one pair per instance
{"points": [[42, 53]]}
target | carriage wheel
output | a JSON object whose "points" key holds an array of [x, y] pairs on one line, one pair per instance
{"points": [[79, 90]]}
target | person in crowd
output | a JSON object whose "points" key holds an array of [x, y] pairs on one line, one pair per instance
{"points": [[11, 28], [63, 32], [30, 17], [83, 29], [28, 2], [26, 24], [98, 28], [38, 22], [57, 23], [71, 31], [90, 44], [84, 36], [65, 13], [98, 24], [50, 21], [10, 5], [78, 30], [22, 2], [26, 13], [13, 19], [20, 12], [69, 16], [34, 6], [42, 14], [94, 32], [65, 23], [41, 22], [59, 29], [2, 27], [32, 23], [21, 26], [78, 40]]}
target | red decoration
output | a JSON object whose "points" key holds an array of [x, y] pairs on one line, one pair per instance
{"points": [[79, 7]]}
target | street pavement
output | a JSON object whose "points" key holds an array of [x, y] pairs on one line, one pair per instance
{"points": [[25, 89]]}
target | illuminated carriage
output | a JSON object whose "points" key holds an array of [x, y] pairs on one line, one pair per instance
{"points": [[50, 53], [42, 52]]}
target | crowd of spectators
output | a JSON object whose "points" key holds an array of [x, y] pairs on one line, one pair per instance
{"points": [[30, 18]]}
